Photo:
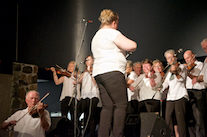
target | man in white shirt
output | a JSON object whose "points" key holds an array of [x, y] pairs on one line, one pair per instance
{"points": [[24, 125], [177, 95], [203, 76], [197, 96], [133, 96]]}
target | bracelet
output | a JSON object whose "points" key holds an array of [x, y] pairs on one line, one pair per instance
{"points": [[54, 75]]}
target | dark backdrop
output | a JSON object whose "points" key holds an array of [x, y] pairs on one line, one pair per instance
{"points": [[50, 31]]}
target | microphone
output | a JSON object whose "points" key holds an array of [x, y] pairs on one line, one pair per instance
{"points": [[84, 61], [89, 21]]}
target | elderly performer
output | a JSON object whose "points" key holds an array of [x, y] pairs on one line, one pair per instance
{"points": [[203, 76], [177, 95], [147, 83], [133, 96], [24, 125], [196, 93]]}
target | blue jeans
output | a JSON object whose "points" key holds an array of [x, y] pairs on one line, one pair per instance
{"points": [[113, 94]]}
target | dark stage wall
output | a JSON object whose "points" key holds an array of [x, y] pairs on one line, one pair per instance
{"points": [[50, 31]]}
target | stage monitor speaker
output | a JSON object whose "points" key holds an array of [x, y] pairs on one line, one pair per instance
{"points": [[61, 127], [131, 125], [153, 125]]}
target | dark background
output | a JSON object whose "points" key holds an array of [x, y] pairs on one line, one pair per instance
{"points": [[50, 31]]}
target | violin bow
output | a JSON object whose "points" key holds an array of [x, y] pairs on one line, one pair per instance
{"points": [[63, 69], [59, 67]]}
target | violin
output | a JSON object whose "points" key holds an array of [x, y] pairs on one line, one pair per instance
{"points": [[150, 73], [176, 70], [34, 112], [162, 74], [61, 72], [190, 66]]}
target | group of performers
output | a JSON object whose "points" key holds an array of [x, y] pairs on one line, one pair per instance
{"points": [[119, 86], [185, 100]]}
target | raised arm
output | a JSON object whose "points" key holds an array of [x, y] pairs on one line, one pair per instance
{"points": [[125, 44]]}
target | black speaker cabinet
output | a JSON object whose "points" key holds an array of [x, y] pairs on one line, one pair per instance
{"points": [[132, 125], [61, 127], [153, 125]]}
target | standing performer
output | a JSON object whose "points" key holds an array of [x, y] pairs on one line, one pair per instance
{"points": [[147, 83], [158, 66], [108, 47], [67, 90], [129, 68], [203, 76], [133, 96], [197, 95], [89, 95], [24, 124], [177, 95]]}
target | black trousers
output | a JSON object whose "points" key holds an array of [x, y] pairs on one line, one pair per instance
{"points": [[113, 94], [150, 105], [65, 108], [84, 106], [196, 112], [177, 109], [132, 107]]}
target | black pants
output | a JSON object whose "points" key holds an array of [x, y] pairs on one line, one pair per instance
{"points": [[132, 107], [178, 108], [150, 105], [84, 106], [65, 108], [196, 113], [113, 93]]}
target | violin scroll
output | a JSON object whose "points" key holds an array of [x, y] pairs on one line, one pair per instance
{"points": [[150, 74]]}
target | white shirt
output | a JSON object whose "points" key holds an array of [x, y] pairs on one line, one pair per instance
{"points": [[28, 126], [68, 88], [204, 72], [132, 95], [88, 90], [145, 90], [107, 56], [177, 89], [196, 71]]}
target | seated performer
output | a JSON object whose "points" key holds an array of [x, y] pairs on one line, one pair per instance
{"points": [[177, 95], [146, 83], [24, 125]]}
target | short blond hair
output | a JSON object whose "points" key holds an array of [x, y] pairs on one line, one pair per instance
{"points": [[107, 16], [157, 61]]}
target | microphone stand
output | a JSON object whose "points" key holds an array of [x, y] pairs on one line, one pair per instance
{"points": [[75, 91]]}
